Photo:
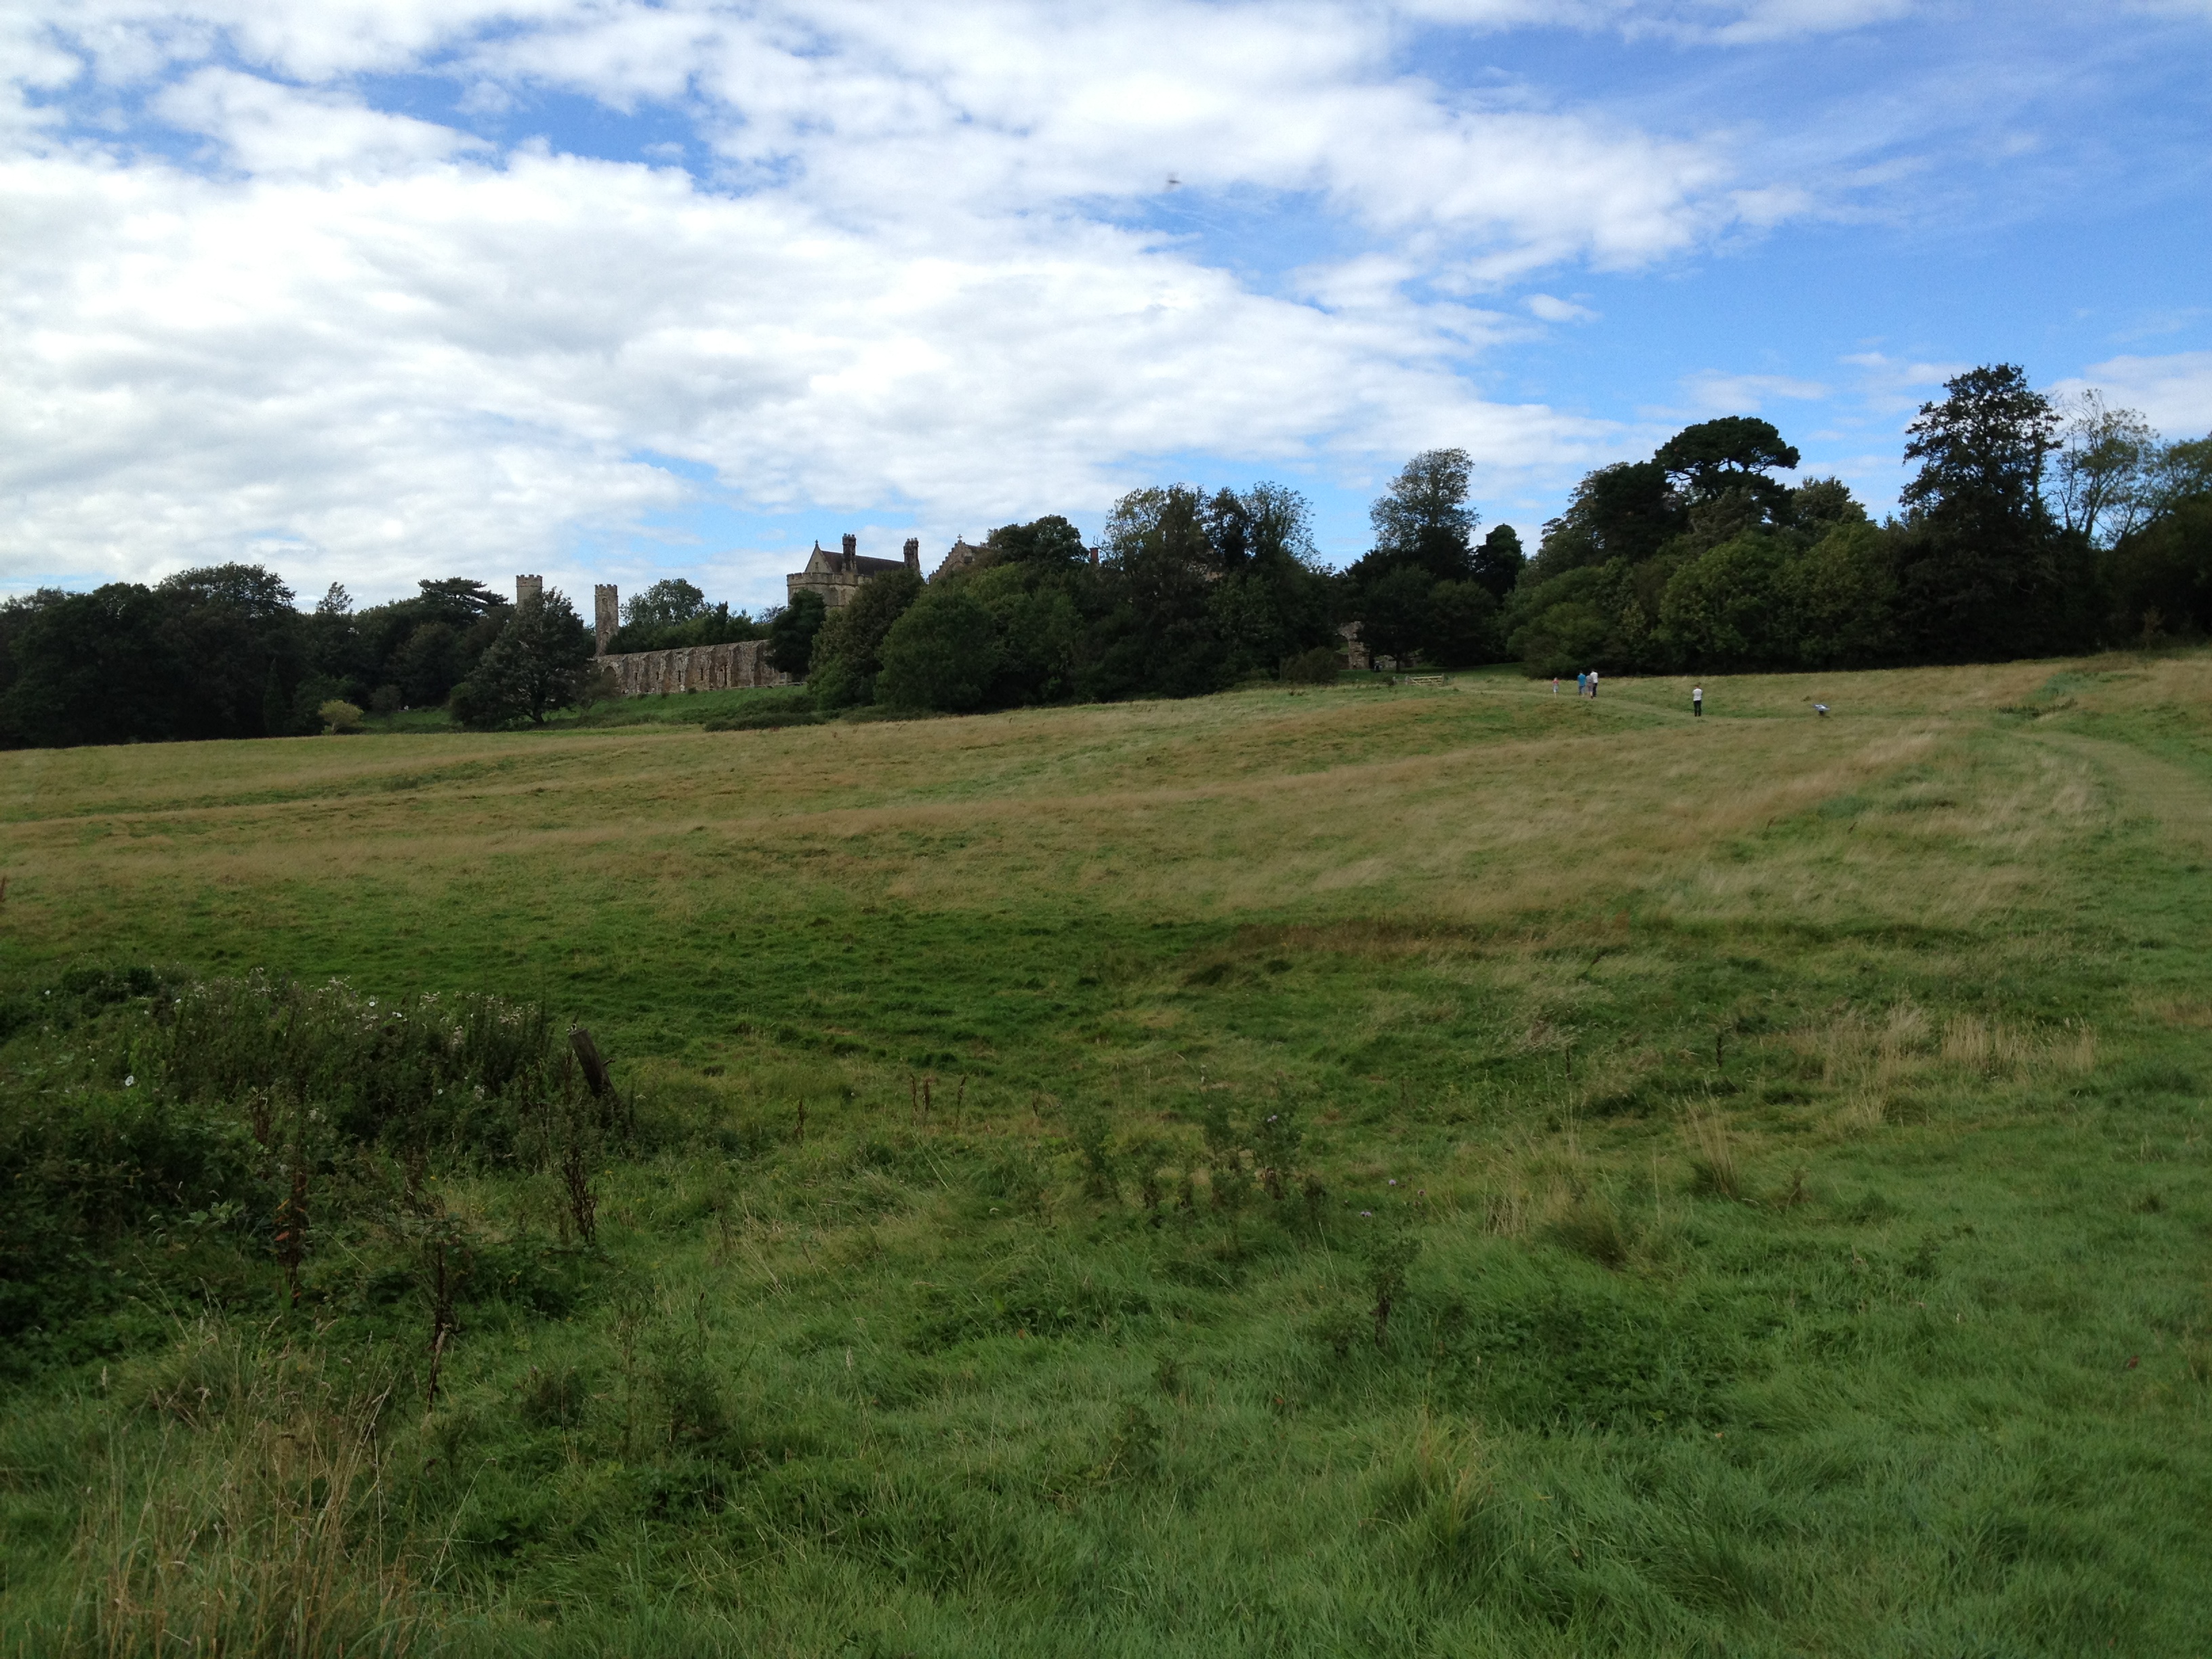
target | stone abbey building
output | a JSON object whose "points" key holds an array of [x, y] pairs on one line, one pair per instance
{"points": [[836, 576]]}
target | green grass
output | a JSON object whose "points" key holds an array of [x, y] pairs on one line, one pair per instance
{"points": [[670, 708], [1789, 1134]]}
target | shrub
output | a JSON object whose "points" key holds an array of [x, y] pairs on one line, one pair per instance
{"points": [[1318, 666], [763, 720], [339, 718]]}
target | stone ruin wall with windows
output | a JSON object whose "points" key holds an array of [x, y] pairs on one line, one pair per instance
{"points": [[742, 663]]}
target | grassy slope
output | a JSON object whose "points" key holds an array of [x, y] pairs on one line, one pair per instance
{"points": [[1934, 1380]]}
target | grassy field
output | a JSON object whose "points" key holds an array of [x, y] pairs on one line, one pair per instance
{"points": [[1448, 1170]]}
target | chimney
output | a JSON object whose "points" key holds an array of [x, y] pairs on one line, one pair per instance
{"points": [[913, 554], [852, 551], [606, 615]]}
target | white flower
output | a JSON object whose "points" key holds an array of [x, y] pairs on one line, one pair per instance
{"points": [[130, 1082]]}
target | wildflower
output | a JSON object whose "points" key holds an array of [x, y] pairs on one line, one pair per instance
{"points": [[1367, 1212], [1394, 1184], [131, 1081]]}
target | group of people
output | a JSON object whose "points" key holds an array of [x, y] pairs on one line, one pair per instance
{"points": [[1586, 686]]}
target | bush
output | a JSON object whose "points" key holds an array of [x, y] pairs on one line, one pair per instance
{"points": [[339, 718], [1318, 666], [763, 720]]}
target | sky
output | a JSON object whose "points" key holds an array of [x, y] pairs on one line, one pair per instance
{"points": [[376, 290]]}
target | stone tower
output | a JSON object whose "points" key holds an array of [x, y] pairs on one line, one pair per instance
{"points": [[913, 554], [529, 587], [852, 552], [606, 614]]}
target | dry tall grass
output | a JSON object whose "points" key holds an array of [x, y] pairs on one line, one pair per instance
{"points": [[254, 1526], [1868, 1058], [1484, 805]]}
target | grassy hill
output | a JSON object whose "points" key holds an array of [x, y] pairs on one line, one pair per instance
{"points": [[1401, 1170]]}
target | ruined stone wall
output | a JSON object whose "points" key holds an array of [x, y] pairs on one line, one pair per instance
{"points": [[694, 668], [606, 615]]}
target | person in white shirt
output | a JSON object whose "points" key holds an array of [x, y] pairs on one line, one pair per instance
{"points": [[1698, 701]]}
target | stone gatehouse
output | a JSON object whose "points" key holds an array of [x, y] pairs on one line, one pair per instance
{"points": [[837, 576]]}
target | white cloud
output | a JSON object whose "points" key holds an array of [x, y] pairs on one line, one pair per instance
{"points": [[1892, 385], [2173, 392], [1716, 393], [991, 108], [464, 362], [271, 130], [1732, 21], [926, 279], [1782, 19], [1550, 309]]}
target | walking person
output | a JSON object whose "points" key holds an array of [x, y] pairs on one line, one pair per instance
{"points": [[1593, 685], [1581, 685], [1697, 702], [1555, 685]]}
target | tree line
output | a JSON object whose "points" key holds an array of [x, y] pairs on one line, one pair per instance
{"points": [[2029, 528]]}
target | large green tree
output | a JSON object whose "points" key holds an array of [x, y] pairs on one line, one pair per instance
{"points": [[1628, 510], [791, 632], [1736, 453], [226, 626], [1499, 560], [1981, 574], [1423, 518], [849, 650], [2099, 466], [86, 668], [941, 653], [664, 605], [538, 662]]}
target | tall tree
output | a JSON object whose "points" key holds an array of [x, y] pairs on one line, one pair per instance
{"points": [[1628, 510], [227, 624], [1423, 519], [2099, 468], [664, 605], [1159, 562], [97, 667], [1499, 560], [1050, 541], [1734, 453], [791, 632], [849, 650], [1980, 571], [538, 664]]}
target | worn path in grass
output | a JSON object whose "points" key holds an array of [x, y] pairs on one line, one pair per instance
{"points": [[1806, 1118]]}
